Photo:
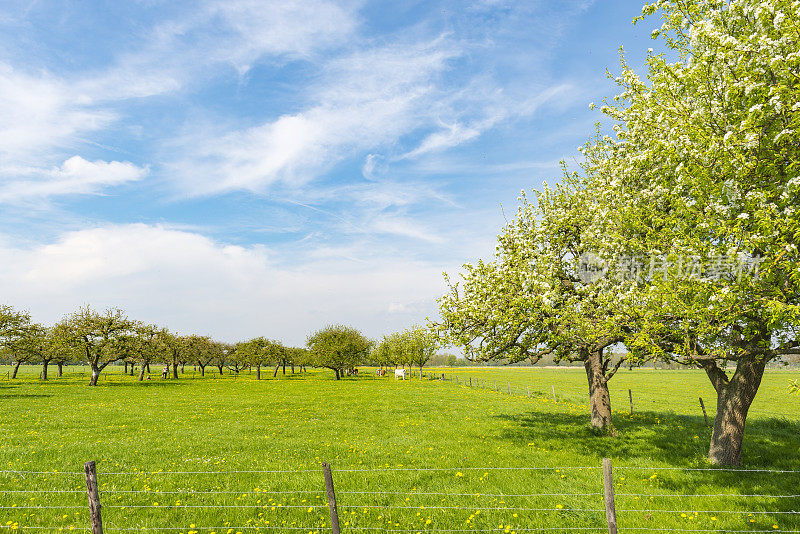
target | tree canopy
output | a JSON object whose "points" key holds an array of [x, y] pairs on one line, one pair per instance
{"points": [[99, 338], [338, 347], [678, 237]]}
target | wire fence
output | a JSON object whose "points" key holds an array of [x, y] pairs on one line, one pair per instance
{"points": [[419, 500], [642, 399]]}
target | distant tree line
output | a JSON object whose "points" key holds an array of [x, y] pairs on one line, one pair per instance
{"points": [[99, 339]]}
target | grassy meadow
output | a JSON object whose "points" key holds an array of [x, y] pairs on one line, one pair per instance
{"points": [[228, 455]]}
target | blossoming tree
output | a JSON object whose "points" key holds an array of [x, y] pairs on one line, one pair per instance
{"points": [[535, 298], [703, 177]]}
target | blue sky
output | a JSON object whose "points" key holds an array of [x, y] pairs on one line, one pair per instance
{"points": [[252, 167]]}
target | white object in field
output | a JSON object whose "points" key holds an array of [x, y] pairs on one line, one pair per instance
{"points": [[400, 373]]}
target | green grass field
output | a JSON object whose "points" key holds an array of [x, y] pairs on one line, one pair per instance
{"points": [[229, 455]]}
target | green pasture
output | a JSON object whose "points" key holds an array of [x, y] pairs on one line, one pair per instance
{"points": [[654, 390], [228, 455]]}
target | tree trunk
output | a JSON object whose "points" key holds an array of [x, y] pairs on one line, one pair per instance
{"points": [[182, 364], [174, 370], [734, 398], [599, 398], [132, 366], [202, 369], [60, 369], [220, 370], [16, 368], [258, 372], [276, 370], [95, 376], [284, 367], [292, 368], [337, 373], [141, 373], [420, 372], [45, 363], [148, 367]]}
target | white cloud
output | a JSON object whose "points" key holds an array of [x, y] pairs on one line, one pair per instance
{"points": [[298, 28], [367, 99], [405, 227], [190, 283], [215, 33], [75, 176], [40, 111], [451, 136], [496, 108], [41, 114]]}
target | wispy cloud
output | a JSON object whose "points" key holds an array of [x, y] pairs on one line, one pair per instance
{"points": [[404, 227], [76, 176], [43, 114], [452, 135], [493, 108], [367, 145], [364, 101], [38, 112], [278, 27]]}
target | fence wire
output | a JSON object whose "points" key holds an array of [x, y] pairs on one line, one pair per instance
{"points": [[455, 502]]}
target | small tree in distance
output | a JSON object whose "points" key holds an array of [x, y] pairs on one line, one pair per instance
{"points": [[174, 348], [381, 353], [100, 338], [30, 346], [338, 347], [12, 325], [203, 351], [260, 352], [61, 351], [149, 346], [420, 345], [413, 346], [299, 356]]}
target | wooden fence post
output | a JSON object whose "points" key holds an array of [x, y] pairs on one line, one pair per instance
{"points": [[705, 415], [509, 386], [94, 497], [608, 491], [470, 381], [331, 497], [630, 396]]}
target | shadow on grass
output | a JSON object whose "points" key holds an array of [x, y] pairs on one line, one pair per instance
{"points": [[4, 395], [679, 440], [651, 438], [145, 383]]}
